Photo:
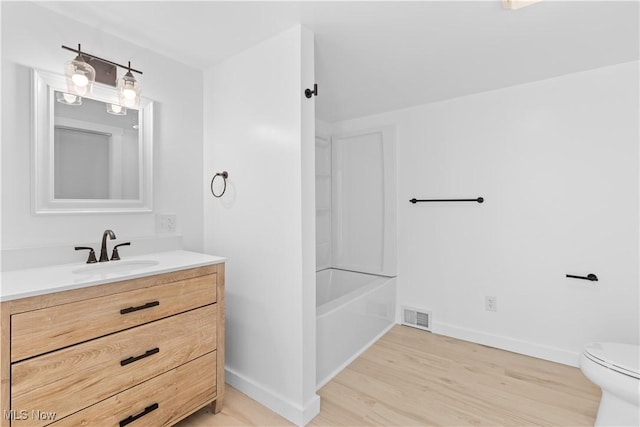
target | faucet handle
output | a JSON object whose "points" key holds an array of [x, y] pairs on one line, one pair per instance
{"points": [[92, 254], [115, 256]]}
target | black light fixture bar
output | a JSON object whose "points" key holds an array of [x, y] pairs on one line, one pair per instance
{"points": [[83, 53]]}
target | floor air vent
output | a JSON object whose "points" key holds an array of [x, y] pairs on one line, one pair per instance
{"points": [[416, 318]]}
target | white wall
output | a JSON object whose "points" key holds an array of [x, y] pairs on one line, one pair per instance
{"points": [[32, 37], [259, 127], [557, 163]]}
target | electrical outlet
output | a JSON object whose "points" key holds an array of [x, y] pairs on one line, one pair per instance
{"points": [[166, 223], [491, 303]]}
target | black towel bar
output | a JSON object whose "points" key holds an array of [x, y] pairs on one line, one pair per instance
{"points": [[479, 200], [591, 277]]}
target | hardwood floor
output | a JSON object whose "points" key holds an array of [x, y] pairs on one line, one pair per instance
{"points": [[238, 410], [415, 378]]}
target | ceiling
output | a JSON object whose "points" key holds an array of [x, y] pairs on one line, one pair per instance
{"points": [[378, 56]]}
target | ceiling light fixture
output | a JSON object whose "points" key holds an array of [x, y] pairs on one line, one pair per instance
{"points": [[86, 69]]}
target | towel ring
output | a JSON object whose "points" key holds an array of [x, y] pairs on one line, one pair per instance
{"points": [[224, 175]]}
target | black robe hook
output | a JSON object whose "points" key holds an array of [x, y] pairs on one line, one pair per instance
{"points": [[309, 93]]}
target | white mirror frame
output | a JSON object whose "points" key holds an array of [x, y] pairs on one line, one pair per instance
{"points": [[44, 85]]}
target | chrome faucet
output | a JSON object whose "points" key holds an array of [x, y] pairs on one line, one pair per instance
{"points": [[103, 249]]}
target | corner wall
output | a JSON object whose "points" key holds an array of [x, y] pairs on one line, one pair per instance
{"points": [[557, 163], [260, 128]]}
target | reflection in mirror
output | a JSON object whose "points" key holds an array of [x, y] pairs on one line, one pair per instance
{"points": [[95, 151], [90, 154]]}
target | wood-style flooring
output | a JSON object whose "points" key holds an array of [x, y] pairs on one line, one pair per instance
{"points": [[415, 378]]}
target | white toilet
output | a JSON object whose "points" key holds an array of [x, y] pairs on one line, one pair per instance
{"points": [[615, 368]]}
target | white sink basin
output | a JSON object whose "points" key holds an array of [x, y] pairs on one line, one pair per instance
{"points": [[115, 267]]}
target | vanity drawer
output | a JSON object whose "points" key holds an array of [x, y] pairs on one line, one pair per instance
{"points": [[73, 378], [39, 331], [179, 391]]}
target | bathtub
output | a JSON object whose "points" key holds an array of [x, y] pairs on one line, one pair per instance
{"points": [[353, 311]]}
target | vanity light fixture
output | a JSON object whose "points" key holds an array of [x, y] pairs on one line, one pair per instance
{"points": [[80, 75], [128, 89], [116, 110], [86, 68], [68, 98]]}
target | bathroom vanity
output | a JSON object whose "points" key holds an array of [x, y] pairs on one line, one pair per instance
{"points": [[112, 344]]}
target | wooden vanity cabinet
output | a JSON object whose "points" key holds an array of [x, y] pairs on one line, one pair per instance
{"points": [[147, 350]]}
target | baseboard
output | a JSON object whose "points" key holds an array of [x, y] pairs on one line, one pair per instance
{"points": [[297, 414], [527, 348], [335, 372]]}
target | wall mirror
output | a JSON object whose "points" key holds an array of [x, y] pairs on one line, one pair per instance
{"points": [[89, 154]]}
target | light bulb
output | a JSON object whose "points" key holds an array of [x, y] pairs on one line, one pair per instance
{"points": [[116, 109], [80, 76], [129, 93], [128, 90], [80, 79], [67, 98]]}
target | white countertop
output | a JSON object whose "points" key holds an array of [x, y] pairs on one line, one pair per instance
{"points": [[44, 280]]}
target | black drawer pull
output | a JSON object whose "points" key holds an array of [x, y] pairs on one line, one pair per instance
{"points": [[142, 356], [140, 307], [132, 418]]}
